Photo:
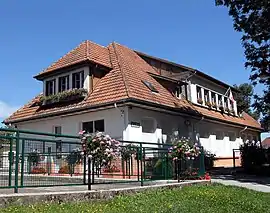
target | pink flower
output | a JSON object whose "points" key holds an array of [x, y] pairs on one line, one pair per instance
{"points": [[81, 132]]}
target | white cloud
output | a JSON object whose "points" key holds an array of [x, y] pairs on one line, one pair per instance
{"points": [[6, 109]]}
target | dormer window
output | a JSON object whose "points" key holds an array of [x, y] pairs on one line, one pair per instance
{"points": [[50, 87], [178, 92], [206, 96], [226, 103], [77, 80], [63, 83]]}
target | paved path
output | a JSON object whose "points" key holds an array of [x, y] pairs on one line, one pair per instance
{"points": [[254, 183]]}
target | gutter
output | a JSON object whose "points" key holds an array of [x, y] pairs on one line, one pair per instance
{"points": [[131, 101]]}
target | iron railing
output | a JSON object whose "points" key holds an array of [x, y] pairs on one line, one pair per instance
{"points": [[38, 159]]}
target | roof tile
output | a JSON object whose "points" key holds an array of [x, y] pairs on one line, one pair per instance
{"points": [[123, 81]]}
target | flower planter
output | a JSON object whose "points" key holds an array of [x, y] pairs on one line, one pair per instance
{"points": [[63, 97]]}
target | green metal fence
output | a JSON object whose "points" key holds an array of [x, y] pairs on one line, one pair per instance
{"points": [[37, 159]]}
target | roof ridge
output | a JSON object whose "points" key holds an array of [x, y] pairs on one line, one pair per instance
{"points": [[71, 51], [122, 73], [96, 43]]}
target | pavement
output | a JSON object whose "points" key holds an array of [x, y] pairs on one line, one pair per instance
{"points": [[261, 184]]}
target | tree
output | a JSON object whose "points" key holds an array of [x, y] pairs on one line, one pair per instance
{"points": [[252, 19], [243, 99]]}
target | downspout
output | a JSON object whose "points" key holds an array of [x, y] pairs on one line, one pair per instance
{"points": [[123, 113], [242, 131], [193, 127]]}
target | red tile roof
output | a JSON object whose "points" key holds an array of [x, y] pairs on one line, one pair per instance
{"points": [[86, 50], [122, 82], [266, 142]]}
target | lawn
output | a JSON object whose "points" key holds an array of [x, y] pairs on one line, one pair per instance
{"points": [[214, 198]]}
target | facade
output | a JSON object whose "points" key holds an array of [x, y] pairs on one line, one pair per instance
{"points": [[135, 97]]}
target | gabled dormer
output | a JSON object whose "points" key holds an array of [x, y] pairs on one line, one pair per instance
{"points": [[74, 75]]}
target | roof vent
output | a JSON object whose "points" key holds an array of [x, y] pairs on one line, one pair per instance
{"points": [[150, 86]]}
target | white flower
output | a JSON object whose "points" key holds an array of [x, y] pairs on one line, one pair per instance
{"points": [[90, 156]]}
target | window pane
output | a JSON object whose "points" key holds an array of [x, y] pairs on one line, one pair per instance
{"points": [[50, 87], [199, 93], [206, 95], [63, 83], [213, 97], [77, 80], [88, 127], [148, 126], [99, 126], [150, 86]]}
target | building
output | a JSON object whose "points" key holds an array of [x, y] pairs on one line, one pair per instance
{"points": [[266, 143], [137, 97]]}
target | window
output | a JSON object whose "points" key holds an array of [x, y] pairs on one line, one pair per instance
{"points": [[63, 83], [213, 97], [93, 126], [199, 95], [225, 103], [50, 87], [148, 125], [219, 135], [99, 125], [232, 136], [77, 80], [206, 96], [150, 86], [57, 130], [178, 92], [219, 100]]}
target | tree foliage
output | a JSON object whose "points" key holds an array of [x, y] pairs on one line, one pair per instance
{"points": [[243, 99], [252, 19]]}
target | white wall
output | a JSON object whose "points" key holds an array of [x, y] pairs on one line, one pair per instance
{"points": [[165, 126], [71, 125]]}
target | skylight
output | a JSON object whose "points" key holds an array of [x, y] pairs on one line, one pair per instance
{"points": [[150, 86]]}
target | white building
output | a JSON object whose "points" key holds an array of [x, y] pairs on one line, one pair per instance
{"points": [[135, 97]]}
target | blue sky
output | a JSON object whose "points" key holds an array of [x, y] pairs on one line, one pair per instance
{"points": [[36, 33]]}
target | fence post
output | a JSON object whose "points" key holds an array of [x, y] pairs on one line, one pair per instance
{"points": [[144, 170], [11, 160], [166, 166], [233, 159], [141, 158], [17, 161], [202, 166], [22, 162], [49, 160], [89, 173], [138, 165], [93, 171], [84, 169]]}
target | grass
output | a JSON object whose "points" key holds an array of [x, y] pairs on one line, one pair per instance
{"points": [[214, 198]]}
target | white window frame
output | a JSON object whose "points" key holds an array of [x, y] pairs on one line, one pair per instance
{"points": [[93, 121], [81, 79], [66, 83], [53, 85]]}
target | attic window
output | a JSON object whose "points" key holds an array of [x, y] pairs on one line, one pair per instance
{"points": [[150, 86]]}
